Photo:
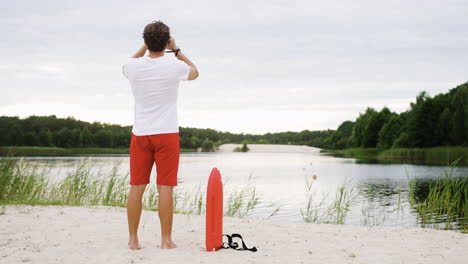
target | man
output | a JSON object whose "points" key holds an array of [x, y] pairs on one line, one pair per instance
{"points": [[154, 80]]}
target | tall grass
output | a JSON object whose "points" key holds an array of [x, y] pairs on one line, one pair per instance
{"points": [[242, 201], [358, 153], [436, 155], [193, 201], [23, 182], [324, 210], [441, 203]]}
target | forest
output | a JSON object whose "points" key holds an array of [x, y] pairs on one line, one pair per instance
{"points": [[50, 131], [441, 120]]}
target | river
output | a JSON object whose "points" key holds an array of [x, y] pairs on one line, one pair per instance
{"points": [[280, 179]]}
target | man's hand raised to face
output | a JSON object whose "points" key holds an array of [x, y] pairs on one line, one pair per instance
{"points": [[171, 44]]}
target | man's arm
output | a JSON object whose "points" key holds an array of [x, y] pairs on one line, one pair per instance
{"points": [[193, 74], [141, 52]]}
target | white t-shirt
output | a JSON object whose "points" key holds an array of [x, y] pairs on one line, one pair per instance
{"points": [[154, 83]]}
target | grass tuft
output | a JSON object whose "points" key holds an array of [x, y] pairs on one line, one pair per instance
{"points": [[242, 201], [442, 202], [324, 210], [23, 182]]}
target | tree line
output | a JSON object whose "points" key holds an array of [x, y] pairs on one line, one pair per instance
{"points": [[441, 120], [430, 121], [51, 131]]}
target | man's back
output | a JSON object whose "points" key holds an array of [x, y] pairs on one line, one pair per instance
{"points": [[155, 139], [155, 83]]}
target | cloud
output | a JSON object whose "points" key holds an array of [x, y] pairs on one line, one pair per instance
{"points": [[265, 65]]}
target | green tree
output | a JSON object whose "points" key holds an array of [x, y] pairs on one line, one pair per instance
{"points": [[194, 142], [460, 104], [104, 139], [402, 141], [390, 132], [45, 138], [367, 127], [31, 139], [16, 135], [63, 138], [75, 138], [341, 138], [208, 145], [445, 126], [422, 122], [86, 137]]}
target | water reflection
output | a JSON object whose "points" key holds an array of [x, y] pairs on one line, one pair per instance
{"points": [[383, 193]]}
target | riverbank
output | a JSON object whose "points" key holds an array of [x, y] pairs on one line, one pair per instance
{"points": [[56, 151], [429, 156], [60, 234]]}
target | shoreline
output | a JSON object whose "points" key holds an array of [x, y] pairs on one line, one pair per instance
{"points": [[441, 156], [98, 234]]}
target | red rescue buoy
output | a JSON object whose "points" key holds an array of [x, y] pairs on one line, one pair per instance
{"points": [[214, 212]]}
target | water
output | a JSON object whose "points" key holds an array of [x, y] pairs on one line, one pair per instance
{"points": [[280, 179]]}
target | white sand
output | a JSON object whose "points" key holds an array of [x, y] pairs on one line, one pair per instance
{"points": [[266, 148], [57, 234]]}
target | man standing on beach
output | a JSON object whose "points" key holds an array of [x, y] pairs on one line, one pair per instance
{"points": [[154, 80]]}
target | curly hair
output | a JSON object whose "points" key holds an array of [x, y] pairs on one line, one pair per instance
{"points": [[156, 36]]}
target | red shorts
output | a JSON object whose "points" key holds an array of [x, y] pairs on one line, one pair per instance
{"points": [[164, 149]]}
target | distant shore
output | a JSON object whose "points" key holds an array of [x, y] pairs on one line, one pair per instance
{"points": [[428, 156], [269, 148]]}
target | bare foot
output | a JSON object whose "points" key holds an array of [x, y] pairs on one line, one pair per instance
{"points": [[134, 245], [168, 244]]}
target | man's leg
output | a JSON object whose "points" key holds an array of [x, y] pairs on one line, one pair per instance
{"points": [[165, 211], [141, 164], [134, 207], [166, 155]]}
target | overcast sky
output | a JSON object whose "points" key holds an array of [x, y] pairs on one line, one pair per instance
{"points": [[265, 66]]}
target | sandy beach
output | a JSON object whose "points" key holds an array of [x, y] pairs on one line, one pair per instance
{"points": [[57, 234]]}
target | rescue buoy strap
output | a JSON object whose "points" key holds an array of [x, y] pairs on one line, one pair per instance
{"points": [[235, 245]]}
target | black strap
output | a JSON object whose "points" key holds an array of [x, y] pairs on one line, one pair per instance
{"points": [[235, 245], [176, 51]]}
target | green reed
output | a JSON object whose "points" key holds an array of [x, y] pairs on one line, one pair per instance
{"points": [[241, 201], [274, 212], [192, 201], [20, 182], [442, 202], [325, 210], [23, 182]]}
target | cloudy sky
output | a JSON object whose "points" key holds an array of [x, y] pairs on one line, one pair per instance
{"points": [[265, 66]]}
